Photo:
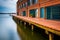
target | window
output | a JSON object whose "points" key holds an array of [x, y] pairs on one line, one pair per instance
{"points": [[53, 12], [23, 4], [34, 1], [33, 13], [20, 0], [19, 7], [41, 12], [24, 13], [28, 2]]}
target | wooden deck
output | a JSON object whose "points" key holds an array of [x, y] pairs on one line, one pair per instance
{"points": [[48, 25]]}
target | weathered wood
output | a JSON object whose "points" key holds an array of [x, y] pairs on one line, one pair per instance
{"points": [[51, 37], [42, 23]]}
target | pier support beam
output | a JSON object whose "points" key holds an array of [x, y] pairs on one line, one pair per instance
{"points": [[51, 36], [46, 32], [20, 21], [32, 27], [24, 23], [29, 24]]}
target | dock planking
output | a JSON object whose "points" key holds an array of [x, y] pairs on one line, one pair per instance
{"points": [[52, 26]]}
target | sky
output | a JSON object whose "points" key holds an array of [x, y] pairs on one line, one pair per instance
{"points": [[8, 6]]}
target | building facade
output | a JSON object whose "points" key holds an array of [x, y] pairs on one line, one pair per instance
{"points": [[47, 9]]}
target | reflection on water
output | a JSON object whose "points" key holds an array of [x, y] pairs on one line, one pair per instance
{"points": [[7, 28], [27, 34]]}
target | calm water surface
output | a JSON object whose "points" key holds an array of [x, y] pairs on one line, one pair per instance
{"points": [[10, 30]]}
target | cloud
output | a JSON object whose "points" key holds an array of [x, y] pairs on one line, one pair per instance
{"points": [[8, 6], [7, 10]]}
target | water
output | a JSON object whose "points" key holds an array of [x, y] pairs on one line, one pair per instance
{"points": [[10, 30], [26, 33]]}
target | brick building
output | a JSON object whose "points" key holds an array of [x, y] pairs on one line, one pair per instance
{"points": [[48, 9]]}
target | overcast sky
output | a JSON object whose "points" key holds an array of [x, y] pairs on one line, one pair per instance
{"points": [[8, 6]]}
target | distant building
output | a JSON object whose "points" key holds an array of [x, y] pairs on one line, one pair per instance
{"points": [[48, 9]]}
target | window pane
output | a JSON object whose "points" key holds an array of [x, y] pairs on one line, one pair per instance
{"points": [[33, 12], [28, 2], [24, 13], [53, 12], [34, 1], [42, 12]]}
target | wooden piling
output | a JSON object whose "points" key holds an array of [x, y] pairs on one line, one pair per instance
{"points": [[32, 27], [24, 23], [46, 32], [51, 36]]}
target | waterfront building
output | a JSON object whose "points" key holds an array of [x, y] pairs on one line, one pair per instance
{"points": [[47, 9]]}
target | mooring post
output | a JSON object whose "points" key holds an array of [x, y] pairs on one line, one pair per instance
{"points": [[51, 36], [32, 27]]}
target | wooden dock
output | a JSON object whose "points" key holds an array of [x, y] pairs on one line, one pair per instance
{"points": [[48, 25]]}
